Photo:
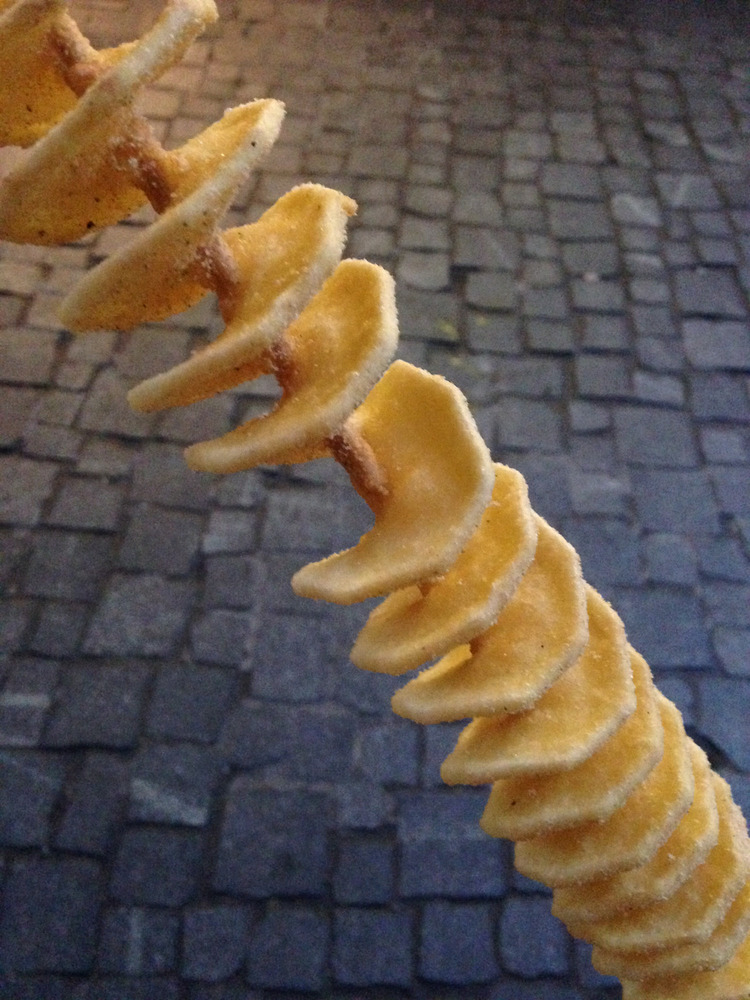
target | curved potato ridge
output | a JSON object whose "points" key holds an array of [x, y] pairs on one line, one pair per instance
{"points": [[536, 659]]}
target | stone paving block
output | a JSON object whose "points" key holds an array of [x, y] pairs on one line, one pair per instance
{"points": [[587, 256], [173, 783], [602, 376], [703, 291], [532, 941], [157, 866], [25, 700], [474, 173], [67, 565], [25, 486], [430, 316], [723, 719], [717, 344], [693, 191], [636, 210], [491, 290], [89, 504], [526, 423], [685, 644], [288, 950], [598, 493], [500, 334], [106, 410], [95, 805], [545, 303], [549, 336], [372, 947], [528, 376], [160, 541], [549, 989], [160, 476], [140, 615], [571, 180], [670, 558], [138, 941], [670, 499], [661, 389], [302, 521], [598, 296], [424, 271], [489, 249], [604, 333], [98, 704], [723, 559], [26, 356], [386, 162], [275, 652], [364, 872], [272, 843], [608, 548], [456, 944], [388, 754], [214, 942], [728, 602], [443, 851], [219, 636], [233, 581], [31, 783], [477, 208], [50, 913], [732, 486], [189, 702], [650, 436], [732, 647], [579, 220]]}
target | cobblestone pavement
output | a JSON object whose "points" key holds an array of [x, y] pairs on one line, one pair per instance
{"points": [[201, 797]]}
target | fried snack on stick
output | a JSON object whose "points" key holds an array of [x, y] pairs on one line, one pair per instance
{"points": [[539, 633], [687, 847], [568, 723], [437, 475], [632, 834], [98, 164], [524, 807], [712, 953], [417, 624], [695, 910], [730, 982], [45, 65], [326, 361], [292, 248]]}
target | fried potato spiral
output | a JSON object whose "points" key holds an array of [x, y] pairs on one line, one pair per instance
{"points": [[591, 770]]}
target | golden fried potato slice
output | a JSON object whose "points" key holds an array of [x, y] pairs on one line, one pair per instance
{"points": [[694, 911], [632, 834], [417, 429], [79, 177], [539, 633], [331, 356], [730, 982], [414, 625], [34, 93], [568, 723], [716, 951], [687, 847], [283, 259], [523, 807]]}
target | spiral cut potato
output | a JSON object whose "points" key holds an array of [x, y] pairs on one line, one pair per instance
{"points": [[592, 774]]}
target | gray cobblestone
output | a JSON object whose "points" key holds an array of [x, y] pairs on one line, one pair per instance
{"points": [[272, 843], [457, 944], [372, 947], [95, 805], [532, 941], [137, 942], [214, 942], [51, 906], [156, 867]]}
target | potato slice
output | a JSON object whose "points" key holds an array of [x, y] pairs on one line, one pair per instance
{"points": [[414, 625], [694, 911], [688, 846], [730, 982], [331, 356], [34, 95], [171, 265], [73, 181], [716, 951], [539, 633], [632, 834], [568, 723], [519, 808], [419, 432]]}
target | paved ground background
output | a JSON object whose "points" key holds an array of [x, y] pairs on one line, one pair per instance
{"points": [[201, 798]]}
